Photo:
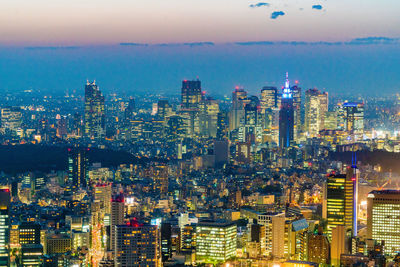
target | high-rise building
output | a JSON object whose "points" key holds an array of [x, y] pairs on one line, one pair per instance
{"points": [[31, 255], [383, 219], [269, 98], [191, 94], [78, 164], [137, 245], [215, 241], [11, 118], [318, 248], [236, 114], [340, 202], [94, 112], [286, 117], [130, 110], [102, 193], [351, 119], [29, 233], [164, 110], [117, 216], [316, 107], [250, 130], [166, 241], [296, 91], [338, 244], [4, 226]]}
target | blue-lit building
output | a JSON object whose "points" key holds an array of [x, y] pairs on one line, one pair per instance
{"points": [[286, 117]]}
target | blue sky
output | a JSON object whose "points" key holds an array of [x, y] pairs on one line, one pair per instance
{"points": [[58, 44]]}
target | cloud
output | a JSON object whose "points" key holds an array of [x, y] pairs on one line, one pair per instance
{"points": [[260, 4], [276, 14], [199, 44], [133, 44], [317, 7], [51, 47], [255, 43]]}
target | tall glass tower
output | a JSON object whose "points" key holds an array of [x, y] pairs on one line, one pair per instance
{"points": [[94, 112], [286, 116]]}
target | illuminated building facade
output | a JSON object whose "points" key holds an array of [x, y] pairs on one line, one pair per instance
{"points": [[215, 241], [316, 107], [191, 94], [4, 226], [286, 117], [94, 112], [11, 118], [29, 233], [117, 217], [78, 164], [236, 114], [31, 255], [137, 245], [340, 208], [383, 219]]}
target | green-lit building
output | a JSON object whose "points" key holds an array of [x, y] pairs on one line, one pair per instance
{"points": [[215, 241]]}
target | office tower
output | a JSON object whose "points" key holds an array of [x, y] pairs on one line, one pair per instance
{"points": [[236, 114], [215, 241], [137, 245], [102, 193], [130, 110], [58, 244], [11, 119], [4, 226], [265, 219], [353, 119], [331, 120], [188, 237], [31, 255], [383, 219], [117, 216], [296, 91], [159, 174], [191, 94], [286, 117], [318, 248], [78, 164], [278, 237], [316, 107], [340, 202], [251, 130], [338, 244], [94, 112], [164, 110], [29, 233], [208, 117], [222, 126], [77, 124], [176, 129], [62, 127], [166, 241], [256, 240], [269, 98]]}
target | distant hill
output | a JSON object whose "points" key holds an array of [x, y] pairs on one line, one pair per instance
{"points": [[23, 158], [387, 160]]}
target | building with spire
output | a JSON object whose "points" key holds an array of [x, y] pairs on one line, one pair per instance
{"points": [[286, 116]]}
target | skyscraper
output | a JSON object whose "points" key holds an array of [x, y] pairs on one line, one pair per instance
{"points": [[239, 97], [340, 199], [353, 119], [11, 119], [94, 112], [191, 94], [383, 219], [117, 217], [78, 164], [269, 98], [286, 117], [316, 107], [4, 226], [137, 245]]}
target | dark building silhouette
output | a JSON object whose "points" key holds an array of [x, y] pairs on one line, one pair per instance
{"points": [[286, 117]]}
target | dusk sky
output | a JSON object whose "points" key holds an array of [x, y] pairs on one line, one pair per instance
{"points": [[35, 37]]}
